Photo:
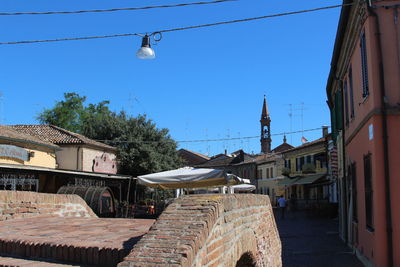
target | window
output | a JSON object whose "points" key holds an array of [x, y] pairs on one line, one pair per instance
{"points": [[364, 65], [351, 92], [287, 164], [353, 175], [321, 157], [297, 164], [272, 172], [346, 103], [267, 172], [369, 197], [301, 163]]}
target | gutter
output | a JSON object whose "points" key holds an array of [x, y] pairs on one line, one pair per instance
{"points": [[389, 228], [56, 148], [344, 17]]}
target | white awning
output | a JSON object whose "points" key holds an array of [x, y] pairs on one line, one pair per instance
{"points": [[189, 177], [244, 188]]}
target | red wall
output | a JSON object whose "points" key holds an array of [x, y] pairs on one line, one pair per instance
{"points": [[373, 245]]}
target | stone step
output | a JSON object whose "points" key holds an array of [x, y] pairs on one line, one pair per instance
{"points": [[89, 241], [17, 262]]}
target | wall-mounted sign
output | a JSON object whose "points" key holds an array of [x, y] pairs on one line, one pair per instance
{"points": [[15, 152], [105, 164]]}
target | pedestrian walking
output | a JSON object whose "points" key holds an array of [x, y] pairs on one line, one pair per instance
{"points": [[282, 206]]}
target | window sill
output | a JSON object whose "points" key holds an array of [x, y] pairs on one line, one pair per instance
{"points": [[365, 98], [370, 230]]}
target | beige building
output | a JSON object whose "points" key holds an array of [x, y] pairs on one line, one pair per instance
{"points": [[269, 173], [19, 153], [22, 149], [49, 159], [78, 152], [306, 170]]}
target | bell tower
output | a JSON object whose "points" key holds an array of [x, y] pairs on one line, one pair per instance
{"points": [[265, 128]]}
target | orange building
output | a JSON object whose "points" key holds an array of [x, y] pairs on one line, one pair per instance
{"points": [[364, 99]]}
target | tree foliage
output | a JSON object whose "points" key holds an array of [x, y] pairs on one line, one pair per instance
{"points": [[141, 147], [66, 113]]}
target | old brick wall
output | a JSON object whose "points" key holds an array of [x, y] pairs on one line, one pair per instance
{"points": [[20, 204], [211, 230]]}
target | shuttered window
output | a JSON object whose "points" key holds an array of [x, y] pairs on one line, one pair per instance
{"points": [[364, 65], [301, 163], [369, 197], [346, 103], [351, 92], [353, 175]]}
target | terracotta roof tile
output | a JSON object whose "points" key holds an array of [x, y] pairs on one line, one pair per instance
{"points": [[320, 140], [194, 153], [57, 135], [7, 131]]}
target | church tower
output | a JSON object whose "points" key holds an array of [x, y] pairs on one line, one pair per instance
{"points": [[265, 128]]}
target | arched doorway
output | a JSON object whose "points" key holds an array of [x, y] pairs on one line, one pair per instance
{"points": [[246, 260]]}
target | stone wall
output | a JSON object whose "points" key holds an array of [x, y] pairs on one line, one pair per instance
{"points": [[20, 204], [211, 230]]}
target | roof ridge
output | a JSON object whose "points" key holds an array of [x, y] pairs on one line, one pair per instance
{"points": [[68, 132], [197, 153]]}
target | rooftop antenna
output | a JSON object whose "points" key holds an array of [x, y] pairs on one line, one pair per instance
{"points": [[302, 113], [130, 100], [241, 142], [207, 144], [1, 107], [291, 121], [228, 135]]}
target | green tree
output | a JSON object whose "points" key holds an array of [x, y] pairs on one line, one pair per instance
{"points": [[142, 148], [66, 113]]}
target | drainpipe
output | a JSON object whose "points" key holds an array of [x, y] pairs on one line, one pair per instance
{"points": [[385, 140], [77, 158]]}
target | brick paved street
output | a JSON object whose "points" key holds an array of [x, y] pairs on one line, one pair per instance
{"points": [[309, 241]]}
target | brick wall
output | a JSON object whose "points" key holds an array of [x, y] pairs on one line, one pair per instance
{"points": [[211, 230], [20, 204]]}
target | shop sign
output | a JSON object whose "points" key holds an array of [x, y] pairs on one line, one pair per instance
{"points": [[9, 151], [89, 182]]}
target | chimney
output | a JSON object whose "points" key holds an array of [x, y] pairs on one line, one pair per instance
{"points": [[226, 152], [324, 131]]}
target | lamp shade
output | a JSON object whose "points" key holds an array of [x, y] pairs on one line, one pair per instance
{"points": [[146, 52]]}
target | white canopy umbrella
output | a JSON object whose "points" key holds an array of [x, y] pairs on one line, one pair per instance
{"points": [[244, 188], [189, 177]]}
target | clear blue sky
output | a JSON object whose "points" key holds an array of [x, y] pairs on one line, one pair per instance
{"points": [[205, 83]]}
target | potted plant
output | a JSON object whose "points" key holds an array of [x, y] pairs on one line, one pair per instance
{"points": [[286, 172], [308, 168]]}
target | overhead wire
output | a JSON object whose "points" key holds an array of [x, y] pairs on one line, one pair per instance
{"points": [[209, 140], [176, 29], [113, 9]]}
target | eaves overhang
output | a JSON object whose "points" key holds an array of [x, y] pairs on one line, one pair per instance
{"points": [[342, 25]]}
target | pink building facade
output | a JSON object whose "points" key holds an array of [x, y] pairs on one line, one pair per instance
{"points": [[363, 92]]}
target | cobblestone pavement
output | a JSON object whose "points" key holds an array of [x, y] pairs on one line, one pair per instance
{"points": [[309, 241]]}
